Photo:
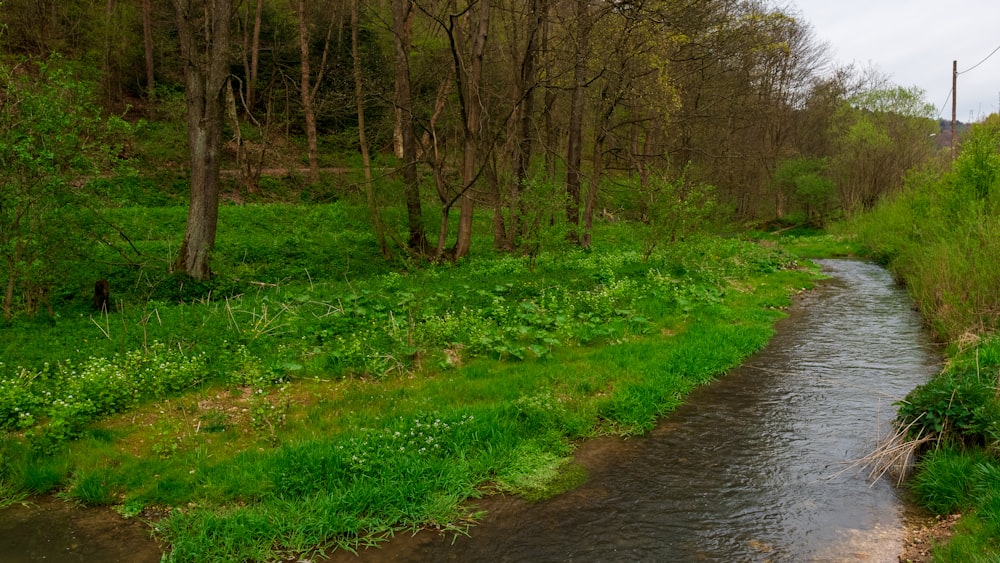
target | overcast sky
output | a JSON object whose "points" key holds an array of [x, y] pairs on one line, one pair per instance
{"points": [[914, 42]]}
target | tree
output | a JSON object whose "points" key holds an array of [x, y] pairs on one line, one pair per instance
{"points": [[466, 30], [251, 49], [574, 148], [633, 89], [881, 133], [308, 93], [147, 43], [740, 69], [402, 25], [468, 74], [523, 35], [804, 182], [359, 91], [203, 29], [52, 141]]}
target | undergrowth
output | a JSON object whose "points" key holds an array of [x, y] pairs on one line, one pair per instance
{"points": [[310, 398]]}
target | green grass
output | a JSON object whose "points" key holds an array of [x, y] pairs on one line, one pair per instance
{"points": [[951, 480], [310, 397]]}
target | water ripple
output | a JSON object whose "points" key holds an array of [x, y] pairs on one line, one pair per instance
{"points": [[751, 468]]}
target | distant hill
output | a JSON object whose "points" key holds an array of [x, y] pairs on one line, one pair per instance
{"points": [[944, 137]]}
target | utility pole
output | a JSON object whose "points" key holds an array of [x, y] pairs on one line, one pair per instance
{"points": [[954, 106]]}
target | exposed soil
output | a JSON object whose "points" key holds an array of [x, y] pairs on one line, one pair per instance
{"points": [[923, 534], [54, 530]]}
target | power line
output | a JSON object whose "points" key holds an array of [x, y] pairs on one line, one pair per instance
{"points": [[982, 61], [941, 111]]}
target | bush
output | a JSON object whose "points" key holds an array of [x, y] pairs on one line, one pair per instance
{"points": [[52, 135]]}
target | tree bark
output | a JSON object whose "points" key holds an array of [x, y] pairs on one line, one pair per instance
{"points": [[595, 180], [203, 27], [548, 100], [112, 65], [247, 180], [402, 17], [501, 235], [437, 162], [526, 110], [254, 55], [574, 148], [307, 97], [471, 109], [362, 139], [147, 39]]}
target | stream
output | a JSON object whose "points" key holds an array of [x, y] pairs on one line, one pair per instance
{"points": [[756, 466]]}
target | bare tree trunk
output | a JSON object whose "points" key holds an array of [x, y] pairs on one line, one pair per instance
{"points": [[594, 184], [254, 55], [472, 109], [307, 98], [203, 26], [247, 180], [548, 101], [8, 298], [362, 140], [526, 111], [501, 235], [574, 148], [402, 17], [147, 39], [111, 63], [437, 165]]}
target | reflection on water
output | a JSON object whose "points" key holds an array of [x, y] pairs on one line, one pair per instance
{"points": [[751, 468]]}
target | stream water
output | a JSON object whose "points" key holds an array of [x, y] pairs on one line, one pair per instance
{"points": [[754, 467]]}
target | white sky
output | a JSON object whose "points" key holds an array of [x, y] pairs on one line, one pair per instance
{"points": [[914, 42]]}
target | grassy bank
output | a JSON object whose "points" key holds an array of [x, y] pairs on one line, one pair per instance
{"points": [[942, 238], [312, 397]]}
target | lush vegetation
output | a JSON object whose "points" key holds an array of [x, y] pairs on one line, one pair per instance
{"points": [[336, 373], [940, 237], [306, 375], [310, 396]]}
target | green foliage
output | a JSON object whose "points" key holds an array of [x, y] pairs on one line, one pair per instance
{"points": [[904, 102], [671, 209], [951, 480], [975, 541], [93, 489], [942, 238], [977, 169], [879, 136], [957, 405], [52, 137], [805, 183], [56, 402]]}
